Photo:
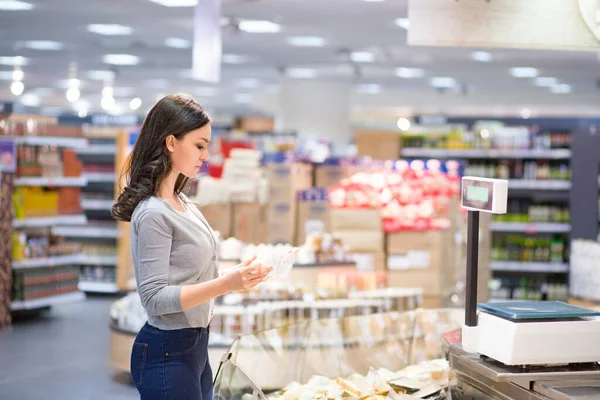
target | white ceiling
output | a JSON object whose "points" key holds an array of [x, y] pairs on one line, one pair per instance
{"points": [[344, 24]]}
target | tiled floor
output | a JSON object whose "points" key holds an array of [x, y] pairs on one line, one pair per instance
{"points": [[62, 355]]}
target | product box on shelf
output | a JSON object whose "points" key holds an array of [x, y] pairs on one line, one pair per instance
{"points": [[379, 145], [69, 200], [355, 219], [220, 217], [313, 213], [373, 261], [255, 124], [422, 259], [250, 222], [361, 241], [286, 179], [330, 175]]}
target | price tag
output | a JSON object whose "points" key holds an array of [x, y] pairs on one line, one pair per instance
{"points": [[531, 229], [314, 226]]}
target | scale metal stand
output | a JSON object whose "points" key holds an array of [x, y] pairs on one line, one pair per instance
{"points": [[522, 350]]}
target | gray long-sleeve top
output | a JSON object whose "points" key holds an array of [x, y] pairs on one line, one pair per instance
{"points": [[171, 249]]}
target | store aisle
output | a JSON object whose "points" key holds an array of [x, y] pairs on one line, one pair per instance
{"points": [[63, 354]]}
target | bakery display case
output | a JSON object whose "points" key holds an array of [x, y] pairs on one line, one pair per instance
{"points": [[376, 356]]}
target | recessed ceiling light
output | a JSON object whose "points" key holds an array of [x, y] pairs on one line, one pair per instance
{"points": [[403, 124], [546, 81], [135, 103], [73, 94], [178, 43], [561, 89], [248, 83], [43, 45], [402, 23], [121, 59], [82, 113], [524, 72], [17, 88], [107, 103], [18, 60], [15, 5], [306, 41], [110, 29], [362, 57], [442, 82], [525, 113], [409, 73], [242, 98], [176, 3], [233, 58], [301, 73], [481, 56], [18, 75], [370, 88], [100, 75], [259, 26]]}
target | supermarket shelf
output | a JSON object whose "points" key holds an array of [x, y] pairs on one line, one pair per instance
{"points": [[529, 266], [539, 185], [95, 177], [106, 261], [52, 141], [77, 181], [98, 287], [97, 205], [47, 301], [548, 227], [483, 153], [88, 231], [78, 219], [55, 261], [98, 149]]}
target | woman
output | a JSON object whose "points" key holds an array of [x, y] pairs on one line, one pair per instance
{"points": [[175, 254]]}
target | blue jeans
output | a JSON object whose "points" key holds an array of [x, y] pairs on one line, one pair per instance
{"points": [[172, 364]]}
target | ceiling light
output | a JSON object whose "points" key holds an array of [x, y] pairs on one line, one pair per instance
{"points": [[301, 73], [524, 72], [43, 45], [402, 23], [485, 133], [110, 29], [74, 83], [82, 113], [249, 83], [561, 89], [306, 41], [259, 26], [242, 98], [135, 103], [362, 57], [442, 82], [409, 73], [13, 61], [17, 88], [15, 5], [233, 59], [73, 94], [481, 56], [121, 59], [18, 75], [525, 113], [107, 102], [370, 88], [178, 43], [176, 3], [30, 100], [546, 81], [100, 75], [403, 124]]}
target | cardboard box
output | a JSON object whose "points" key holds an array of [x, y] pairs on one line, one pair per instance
{"points": [[362, 241], [285, 180], [422, 259], [355, 219], [250, 222], [220, 217], [379, 145], [281, 219], [374, 261], [330, 175], [312, 213], [255, 124]]}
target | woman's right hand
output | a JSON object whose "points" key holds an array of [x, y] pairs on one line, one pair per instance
{"points": [[246, 275]]}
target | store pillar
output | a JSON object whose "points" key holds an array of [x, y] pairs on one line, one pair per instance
{"points": [[314, 108]]}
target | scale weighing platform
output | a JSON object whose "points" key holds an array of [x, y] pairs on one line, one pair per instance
{"points": [[520, 349]]}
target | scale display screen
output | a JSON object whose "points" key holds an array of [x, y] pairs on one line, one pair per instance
{"points": [[478, 193]]}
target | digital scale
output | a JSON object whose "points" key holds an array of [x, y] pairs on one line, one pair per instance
{"points": [[520, 349]]}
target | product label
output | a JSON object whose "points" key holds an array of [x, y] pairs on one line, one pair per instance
{"points": [[314, 226], [409, 260], [364, 262]]}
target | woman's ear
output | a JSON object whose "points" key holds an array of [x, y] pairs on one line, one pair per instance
{"points": [[170, 143]]}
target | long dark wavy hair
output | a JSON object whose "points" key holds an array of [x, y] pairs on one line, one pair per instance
{"points": [[150, 161]]}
